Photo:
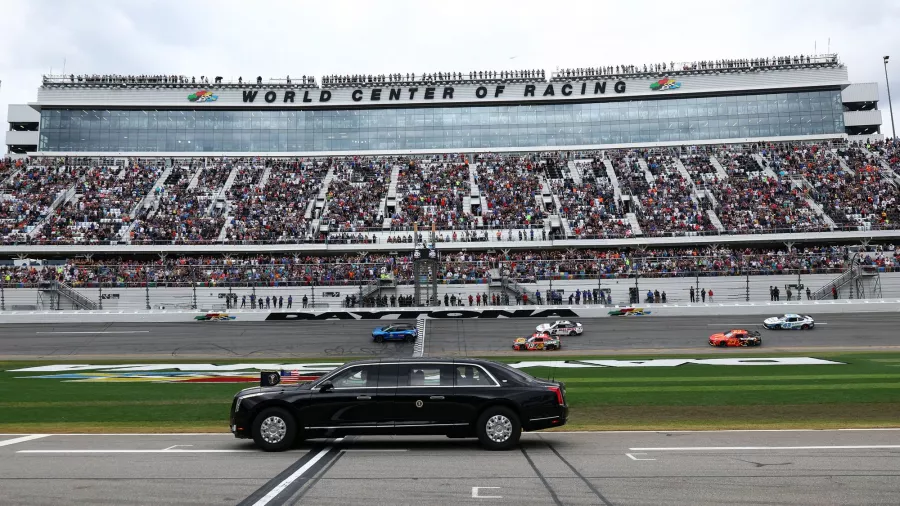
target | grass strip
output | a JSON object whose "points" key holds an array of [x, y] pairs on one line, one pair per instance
{"points": [[863, 393]]}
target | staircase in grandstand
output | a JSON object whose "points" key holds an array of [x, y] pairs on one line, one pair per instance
{"points": [[862, 281], [517, 291], [58, 289]]}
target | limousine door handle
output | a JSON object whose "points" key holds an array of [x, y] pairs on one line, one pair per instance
{"points": [[363, 398], [437, 397]]}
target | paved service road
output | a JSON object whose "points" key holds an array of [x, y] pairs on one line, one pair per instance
{"points": [[343, 338], [621, 468]]}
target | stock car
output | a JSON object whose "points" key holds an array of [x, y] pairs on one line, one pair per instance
{"points": [[736, 337], [561, 328], [789, 322], [538, 341], [397, 332], [214, 317]]}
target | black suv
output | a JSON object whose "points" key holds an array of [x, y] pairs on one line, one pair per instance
{"points": [[455, 397]]}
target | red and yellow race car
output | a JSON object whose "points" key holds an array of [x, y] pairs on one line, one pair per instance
{"points": [[736, 337], [215, 317], [541, 341]]}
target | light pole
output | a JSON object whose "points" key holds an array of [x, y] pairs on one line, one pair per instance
{"points": [[890, 105]]}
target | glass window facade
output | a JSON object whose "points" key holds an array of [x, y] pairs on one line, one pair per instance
{"points": [[446, 128]]}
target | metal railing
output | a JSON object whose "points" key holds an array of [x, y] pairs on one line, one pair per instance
{"points": [[61, 288], [699, 66], [177, 81], [576, 290]]}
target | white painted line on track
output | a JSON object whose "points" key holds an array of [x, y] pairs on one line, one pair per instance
{"points": [[373, 450], [742, 448], [700, 431], [726, 324], [632, 456], [99, 332], [135, 451], [23, 439], [116, 434], [477, 495], [293, 477], [873, 428]]}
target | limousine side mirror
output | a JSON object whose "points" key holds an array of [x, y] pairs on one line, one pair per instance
{"points": [[326, 386]]}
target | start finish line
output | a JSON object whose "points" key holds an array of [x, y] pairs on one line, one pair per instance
{"points": [[324, 367]]}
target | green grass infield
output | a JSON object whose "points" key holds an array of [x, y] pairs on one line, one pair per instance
{"points": [[864, 392]]}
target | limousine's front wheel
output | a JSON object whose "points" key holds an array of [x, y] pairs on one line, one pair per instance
{"points": [[274, 430], [499, 428]]}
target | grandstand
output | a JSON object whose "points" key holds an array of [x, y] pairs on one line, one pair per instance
{"points": [[745, 167], [662, 195]]}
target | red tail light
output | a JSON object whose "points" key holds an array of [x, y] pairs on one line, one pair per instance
{"points": [[559, 395]]}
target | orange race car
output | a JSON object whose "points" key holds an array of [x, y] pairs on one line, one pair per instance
{"points": [[736, 337], [538, 341]]}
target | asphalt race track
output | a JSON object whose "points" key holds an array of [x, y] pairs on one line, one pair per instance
{"points": [[343, 338], [637, 468]]}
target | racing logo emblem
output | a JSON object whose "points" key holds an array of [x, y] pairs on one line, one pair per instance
{"points": [[665, 84], [203, 96], [419, 404]]}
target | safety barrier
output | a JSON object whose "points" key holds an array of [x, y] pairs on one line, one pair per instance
{"points": [[514, 312]]}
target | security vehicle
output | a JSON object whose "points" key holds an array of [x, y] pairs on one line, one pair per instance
{"points": [[458, 398], [214, 317], [540, 341], [789, 322], [736, 337], [561, 328], [397, 332]]}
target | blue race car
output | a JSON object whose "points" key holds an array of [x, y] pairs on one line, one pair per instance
{"points": [[399, 332]]}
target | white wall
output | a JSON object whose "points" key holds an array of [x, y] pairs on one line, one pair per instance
{"points": [[726, 289]]}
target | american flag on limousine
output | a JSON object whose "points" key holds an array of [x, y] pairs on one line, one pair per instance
{"points": [[296, 377]]}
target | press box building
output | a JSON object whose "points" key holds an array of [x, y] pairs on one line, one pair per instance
{"points": [[576, 109]]}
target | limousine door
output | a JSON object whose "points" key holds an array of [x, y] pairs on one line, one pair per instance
{"points": [[425, 401], [352, 401]]}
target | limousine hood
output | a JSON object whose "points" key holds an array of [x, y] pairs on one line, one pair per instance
{"points": [[276, 388]]}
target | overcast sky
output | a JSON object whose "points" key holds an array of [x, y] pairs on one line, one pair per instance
{"points": [[277, 38]]}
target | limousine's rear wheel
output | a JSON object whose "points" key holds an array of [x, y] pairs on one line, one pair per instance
{"points": [[274, 430], [499, 428]]}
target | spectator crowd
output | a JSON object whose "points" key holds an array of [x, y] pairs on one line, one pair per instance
{"points": [[744, 189], [458, 267]]}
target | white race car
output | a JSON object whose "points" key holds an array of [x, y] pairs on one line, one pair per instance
{"points": [[789, 322], [561, 328]]}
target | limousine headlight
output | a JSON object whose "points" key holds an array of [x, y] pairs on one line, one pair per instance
{"points": [[237, 405]]}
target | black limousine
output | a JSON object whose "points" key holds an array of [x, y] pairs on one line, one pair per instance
{"points": [[453, 397]]}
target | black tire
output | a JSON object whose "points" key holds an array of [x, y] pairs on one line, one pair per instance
{"points": [[804, 327], [571, 333], [379, 339], [409, 339], [723, 344], [277, 420], [505, 425]]}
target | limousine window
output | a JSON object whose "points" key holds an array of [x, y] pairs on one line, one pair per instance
{"points": [[515, 373], [471, 375], [426, 375], [356, 377]]}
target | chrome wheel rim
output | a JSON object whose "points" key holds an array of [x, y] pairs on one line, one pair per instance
{"points": [[273, 429], [499, 428]]}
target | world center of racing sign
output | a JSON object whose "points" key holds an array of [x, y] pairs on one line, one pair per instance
{"points": [[249, 373]]}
